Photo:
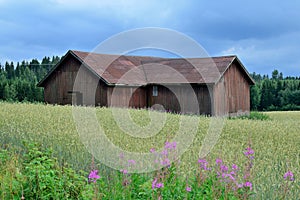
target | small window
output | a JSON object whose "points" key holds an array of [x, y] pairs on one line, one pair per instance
{"points": [[155, 91]]}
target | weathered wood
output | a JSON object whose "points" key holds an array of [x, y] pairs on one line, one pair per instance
{"points": [[229, 96]]}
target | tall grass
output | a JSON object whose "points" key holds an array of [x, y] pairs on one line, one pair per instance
{"points": [[276, 142]]}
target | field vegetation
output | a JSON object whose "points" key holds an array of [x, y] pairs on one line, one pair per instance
{"points": [[29, 132]]}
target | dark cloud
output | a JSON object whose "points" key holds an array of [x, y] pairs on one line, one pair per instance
{"points": [[254, 30]]}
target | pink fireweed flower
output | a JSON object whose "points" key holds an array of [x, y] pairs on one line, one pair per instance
{"points": [[132, 162], [203, 164], [152, 150], [234, 167], [124, 171], [155, 184], [223, 168], [166, 161], [159, 185], [164, 152], [289, 175], [170, 145], [218, 161], [248, 184], [188, 189], [93, 176], [249, 151]]}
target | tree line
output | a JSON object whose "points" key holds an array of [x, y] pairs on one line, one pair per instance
{"points": [[275, 93], [19, 83]]}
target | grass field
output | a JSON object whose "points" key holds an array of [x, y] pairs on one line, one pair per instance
{"points": [[276, 142]]}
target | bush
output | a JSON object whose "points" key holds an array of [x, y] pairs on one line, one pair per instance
{"points": [[253, 116], [39, 177]]}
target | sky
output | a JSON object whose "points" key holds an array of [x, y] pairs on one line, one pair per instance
{"points": [[265, 35]]}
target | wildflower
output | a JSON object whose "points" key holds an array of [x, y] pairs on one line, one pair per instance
{"points": [[188, 189], [170, 145], [164, 152], [155, 184], [159, 185], [203, 164], [218, 161], [166, 162], [124, 171], [234, 167], [231, 177], [249, 151], [224, 168], [131, 162], [248, 184], [152, 150], [93, 176], [287, 175]]}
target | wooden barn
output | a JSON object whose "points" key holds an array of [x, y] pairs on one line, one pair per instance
{"points": [[211, 86]]}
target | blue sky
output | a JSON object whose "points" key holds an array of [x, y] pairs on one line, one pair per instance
{"points": [[264, 34]]}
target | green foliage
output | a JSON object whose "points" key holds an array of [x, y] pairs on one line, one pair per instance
{"points": [[253, 116], [20, 83], [276, 143], [39, 176], [276, 93]]}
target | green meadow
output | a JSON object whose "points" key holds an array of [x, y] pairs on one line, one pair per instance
{"points": [[275, 141]]}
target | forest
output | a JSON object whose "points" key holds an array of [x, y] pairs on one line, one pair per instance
{"points": [[18, 83]]}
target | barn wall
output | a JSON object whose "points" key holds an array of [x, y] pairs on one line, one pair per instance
{"points": [[232, 93], [204, 97], [125, 96], [60, 82], [60, 88], [184, 98]]}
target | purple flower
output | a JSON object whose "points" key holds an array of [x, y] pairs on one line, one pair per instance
{"points": [[224, 168], [248, 184], [203, 164], [93, 176], [231, 177], [249, 151], [155, 184], [152, 150], [131, 162], [159, 185], [235, 167], [188, 189], [166, 161], [232, 173], [164, 152], [124, 171], [170, 145], [289, 175], [218, 161]]}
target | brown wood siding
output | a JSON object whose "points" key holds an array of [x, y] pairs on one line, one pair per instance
{"points": [[60, 82], [204, 96], [125, 96], [59, 88], [183, 102], [232, 93]]}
